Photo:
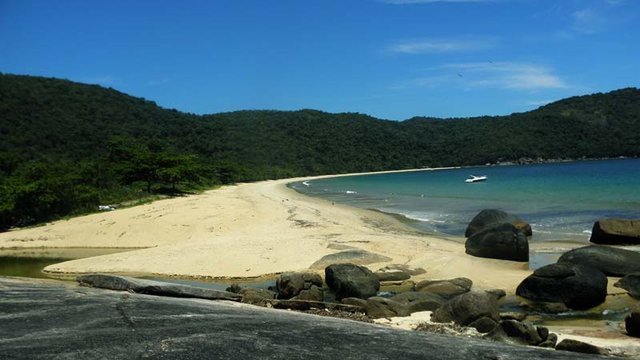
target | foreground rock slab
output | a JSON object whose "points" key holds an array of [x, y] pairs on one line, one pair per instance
{"points": [[46, 319]]}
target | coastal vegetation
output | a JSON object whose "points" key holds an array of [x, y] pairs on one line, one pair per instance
{"points": [[67, 147]]}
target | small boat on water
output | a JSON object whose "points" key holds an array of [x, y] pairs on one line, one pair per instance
{"points": [[473, 178]]}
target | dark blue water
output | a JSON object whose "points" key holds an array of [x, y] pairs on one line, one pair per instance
{"points": [[561, 200]]}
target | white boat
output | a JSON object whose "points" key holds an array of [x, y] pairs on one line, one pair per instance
{"points": [[473, 178]]}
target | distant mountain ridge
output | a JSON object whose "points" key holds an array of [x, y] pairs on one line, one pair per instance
{"points": [[72, 145]]}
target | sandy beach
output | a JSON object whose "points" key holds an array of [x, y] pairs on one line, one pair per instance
{"points": [[253, 230], [258, 230]]}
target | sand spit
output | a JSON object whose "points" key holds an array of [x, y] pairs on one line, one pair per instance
{"points": [[253, 230]]}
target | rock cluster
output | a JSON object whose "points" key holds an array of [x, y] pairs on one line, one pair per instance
{"points": [[352, 290], [303, 286]]}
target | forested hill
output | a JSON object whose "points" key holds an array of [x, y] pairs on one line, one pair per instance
{"points": [[66, 147]]}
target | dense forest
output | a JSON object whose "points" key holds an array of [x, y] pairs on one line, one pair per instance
{"points": [[67, 147]]}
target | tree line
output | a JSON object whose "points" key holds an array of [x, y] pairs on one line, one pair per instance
{"points": [[67, 147]]}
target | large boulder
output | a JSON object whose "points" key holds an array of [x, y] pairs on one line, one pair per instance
{"points": [[631, 283], [291, 284], [445, 288], [616, 232], [489, 217], [499, 241], [349, 280], [468, 308], [578, 287], [632, 324], [610, 260]]}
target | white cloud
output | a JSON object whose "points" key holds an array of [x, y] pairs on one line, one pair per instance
{"points": [[442, 45], [500, 75]]}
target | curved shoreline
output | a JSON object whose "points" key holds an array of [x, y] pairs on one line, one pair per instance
{"points": [[252, 230]]}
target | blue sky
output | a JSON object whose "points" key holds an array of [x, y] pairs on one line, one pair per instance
{"points": [[392, 59]]}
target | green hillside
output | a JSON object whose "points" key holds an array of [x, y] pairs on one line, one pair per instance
{"points": [[66, 147]]}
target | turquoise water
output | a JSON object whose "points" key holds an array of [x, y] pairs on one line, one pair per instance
{"points": [[561, 201]]}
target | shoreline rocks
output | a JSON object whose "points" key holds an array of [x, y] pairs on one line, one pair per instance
{"points": [[72, 322], [616, 232]]}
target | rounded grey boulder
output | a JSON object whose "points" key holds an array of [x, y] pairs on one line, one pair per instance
{"points": [[501, 241], [489, 217], [610, 260], [578, 287], [467, 308], [349, 280]]}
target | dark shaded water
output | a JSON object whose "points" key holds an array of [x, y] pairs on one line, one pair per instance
{"points": [[26, 266]]}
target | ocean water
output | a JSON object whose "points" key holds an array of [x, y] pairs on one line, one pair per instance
{"points": [[561, 201]]}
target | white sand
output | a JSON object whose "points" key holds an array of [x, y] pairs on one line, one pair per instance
{"points": [[252, 230]]}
